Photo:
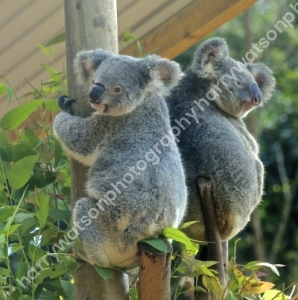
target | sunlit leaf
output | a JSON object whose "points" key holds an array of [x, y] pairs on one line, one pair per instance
{"points": [[260, 287], [44, 49], [177, 235], [187, 224], [274, 294], [17, 116]]}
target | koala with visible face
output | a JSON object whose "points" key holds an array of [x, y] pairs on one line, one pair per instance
{"points": [[217, 92], [136, 184]]}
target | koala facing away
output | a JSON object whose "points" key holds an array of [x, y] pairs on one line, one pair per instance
{"points": [[136, 184], [218, 92]]}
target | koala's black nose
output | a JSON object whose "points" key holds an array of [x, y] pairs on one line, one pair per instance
{"points": [[256, 94], [96, 92]]}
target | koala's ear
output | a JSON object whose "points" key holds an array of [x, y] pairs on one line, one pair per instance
{"points": [[264, 78], [165, 74], [209, 52], [86, 62]]}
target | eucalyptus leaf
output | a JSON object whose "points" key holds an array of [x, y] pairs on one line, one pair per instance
{"points": [[158, 244], [57, 39], [104, 272], [42, 212], [17, 116], [177, 235], [20, 172], [68, 288]]}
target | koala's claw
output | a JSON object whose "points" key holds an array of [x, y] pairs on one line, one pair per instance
{"points": [[66, 104]]}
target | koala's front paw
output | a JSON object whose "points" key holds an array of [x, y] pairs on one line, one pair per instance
{"points": [[66, 104]]}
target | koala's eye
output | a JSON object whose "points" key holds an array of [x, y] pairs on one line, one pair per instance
{"points": [[238, 82], [117, 89]]}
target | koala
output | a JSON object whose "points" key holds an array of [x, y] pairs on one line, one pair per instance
{"points": [[136, 183], [206, 111]]}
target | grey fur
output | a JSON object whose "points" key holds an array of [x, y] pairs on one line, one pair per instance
{"points": [[219, 146], [125, 128]]}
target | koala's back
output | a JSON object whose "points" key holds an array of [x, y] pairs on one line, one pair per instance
{"points": [[220, 148]]}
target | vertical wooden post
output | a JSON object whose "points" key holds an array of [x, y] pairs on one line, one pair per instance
{"points": [[90, 24], [215, 245], [155, 273]]}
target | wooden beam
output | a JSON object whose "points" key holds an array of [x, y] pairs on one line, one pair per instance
{"points": [[187, 27]]}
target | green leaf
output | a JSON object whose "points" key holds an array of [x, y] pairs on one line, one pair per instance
{"points": [[58, 270], [5, 213], [15, 247], [55, 75], [4, 272], [17, 116], [6, 89], [2, 89], [104, 272], [26, 297], [42, 212], [59, 214], [274, 294], [128, 36], [16, 152], [13, 228], [35, 253], [187, 224], [21, 171], [68, 289], [2, 238], [56, 40], [11, 218], [27, 226], [51, 105], [22, 216], [44, 49], [46, 295], [30, 138], [158, 244], [177, 235], [47, 235]]}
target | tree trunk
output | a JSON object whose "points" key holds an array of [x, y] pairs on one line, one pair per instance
{"points": [[90, 24], [155, 273]]}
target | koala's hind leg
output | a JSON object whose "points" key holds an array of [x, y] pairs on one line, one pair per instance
{"points": [[94, 249]]}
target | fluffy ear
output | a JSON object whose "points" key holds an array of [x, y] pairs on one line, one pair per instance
{"points": [[264, 78], [165, 74], [86, 62], [209, 52]]}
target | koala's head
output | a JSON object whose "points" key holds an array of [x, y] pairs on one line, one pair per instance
{"points": [[237, 87], [117, 84]]}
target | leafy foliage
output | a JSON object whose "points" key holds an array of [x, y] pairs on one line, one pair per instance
{"points": [[34, 185]]}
